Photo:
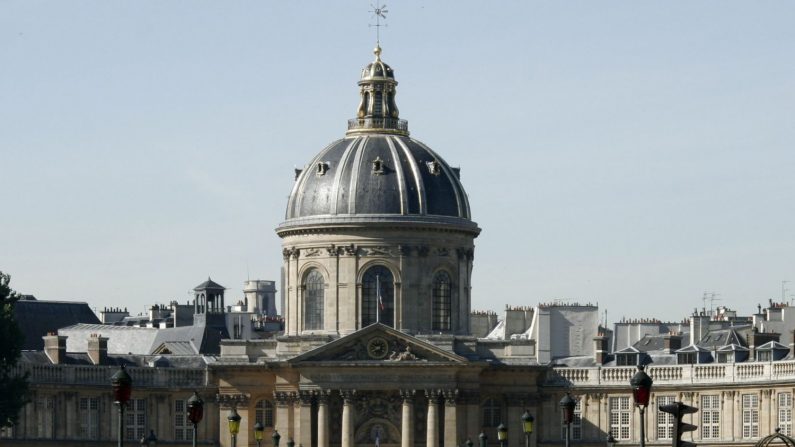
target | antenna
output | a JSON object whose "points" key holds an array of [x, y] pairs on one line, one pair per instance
{"points": [[784, 291], [711, 297], [379, 12]]}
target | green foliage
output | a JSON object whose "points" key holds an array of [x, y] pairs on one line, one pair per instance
{"points": [[13, 387]]}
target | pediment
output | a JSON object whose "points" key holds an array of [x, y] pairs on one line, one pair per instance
{"points": [[380, 344]]}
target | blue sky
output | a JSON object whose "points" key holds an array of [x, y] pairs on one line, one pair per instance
{"points": [[630, 153]]}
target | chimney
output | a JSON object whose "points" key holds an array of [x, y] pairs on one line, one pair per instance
{"points": [[98, 349], [55, 347], [792, 344], [600, 348], [672, 342]]}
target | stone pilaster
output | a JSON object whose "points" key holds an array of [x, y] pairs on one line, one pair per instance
{"points": [[322, 418], [284, 406], [303, 431], [347, 417], [450, 418], [407, 421], [432, 438]]}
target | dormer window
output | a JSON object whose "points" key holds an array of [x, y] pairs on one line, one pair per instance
{"points": [[434, 167], [322, 168], [378, 166], [626, 359]]}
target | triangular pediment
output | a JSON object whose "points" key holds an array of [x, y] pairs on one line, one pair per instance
{"points": [[378, 343]]}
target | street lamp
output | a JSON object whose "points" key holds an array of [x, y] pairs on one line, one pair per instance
{"points": [[259, 432], [469, 442], [234, 425], [502, 434], [290, 442], [611, 441], [149, 441], [276, 437], [122, 387], [483, 438], [567, 404], [195, 412], [527, 427], [641, 392]]}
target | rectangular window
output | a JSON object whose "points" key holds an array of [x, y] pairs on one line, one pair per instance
{"points": [[710, 417], [89, 418], [576, 423], [750, 416], [620, 411], [135, 425], [785, 413], [6, 432], [183, 429], [665, 421]]}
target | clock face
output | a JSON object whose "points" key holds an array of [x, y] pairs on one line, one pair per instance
{"points": [[377, 348]]}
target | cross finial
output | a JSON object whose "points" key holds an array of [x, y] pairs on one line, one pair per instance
{"points": [[379, 12]]}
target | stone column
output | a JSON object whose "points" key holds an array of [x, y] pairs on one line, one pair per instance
{"points": [[432, 440], [303, 432], [407, 422], [347, 417], [322, 419], [284, 402], [450, 418]]}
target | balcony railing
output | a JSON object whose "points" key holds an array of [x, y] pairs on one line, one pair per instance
{"points": [[378, 123], [100, 375], [676, 374]]}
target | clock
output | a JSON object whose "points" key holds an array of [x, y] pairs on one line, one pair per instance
{"points": [[377, 348]]}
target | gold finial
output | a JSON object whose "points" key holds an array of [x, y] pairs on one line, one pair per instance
{"points": [[377, 52], [379, 12]]}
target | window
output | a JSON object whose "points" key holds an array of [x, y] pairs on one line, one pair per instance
{"points": [[263, 413], [378, 282], [45, 418], [6, 432], [576, 423], [183, 429], [687, 358], [135, 425], [710, 417], [89, 418], [750, 416], [442, 302], [619, 418], [626, 359], [764, 356], [492, 413], [314, 288], [665, 421], [785, 413]]}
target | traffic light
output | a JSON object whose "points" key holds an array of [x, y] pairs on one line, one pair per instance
{"points": [[677, 410]]}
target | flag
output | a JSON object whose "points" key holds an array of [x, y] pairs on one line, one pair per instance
{"points": [[378, 292]]}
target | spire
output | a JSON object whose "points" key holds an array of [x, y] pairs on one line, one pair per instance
{"points": [[377, 111]]}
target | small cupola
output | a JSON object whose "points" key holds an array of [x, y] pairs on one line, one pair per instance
{"points": [[377, 110]]}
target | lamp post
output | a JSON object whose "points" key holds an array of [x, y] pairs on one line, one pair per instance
{"points": [[234, 425], [469, 442], [259, 432], [527, 427], [276, 437], [195, 413], [483, 439], [611, 441], [122, 387], [502, 434], [149, 441], [641, 392], [290, 442], [567, 404]]}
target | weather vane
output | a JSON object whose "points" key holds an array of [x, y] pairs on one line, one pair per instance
{"points": [[379, 12]]}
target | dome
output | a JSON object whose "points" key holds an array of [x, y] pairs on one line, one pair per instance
{"points": [[377, 173]]}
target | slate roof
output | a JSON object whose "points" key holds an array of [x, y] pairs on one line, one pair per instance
{"points": [[209, 284], [37, 317]]}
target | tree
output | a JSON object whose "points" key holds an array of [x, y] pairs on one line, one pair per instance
{"points": [[13, 387]]}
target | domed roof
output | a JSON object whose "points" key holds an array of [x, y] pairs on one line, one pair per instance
{"points": [[377, 173]]}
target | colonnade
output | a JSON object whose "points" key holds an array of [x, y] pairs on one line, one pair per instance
{"points": [[294, 417]]}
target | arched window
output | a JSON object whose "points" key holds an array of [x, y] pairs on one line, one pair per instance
{"points": [[442, 301], [492, 413], [378, 281], [263, 413], [313, 300]]}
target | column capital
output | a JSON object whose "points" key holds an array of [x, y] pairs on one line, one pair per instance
{"points": [[433, 395], [323, 396], [306, 396], [450, 396], [284, 398], [348, 395], [408, 395], [231, 400]]}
